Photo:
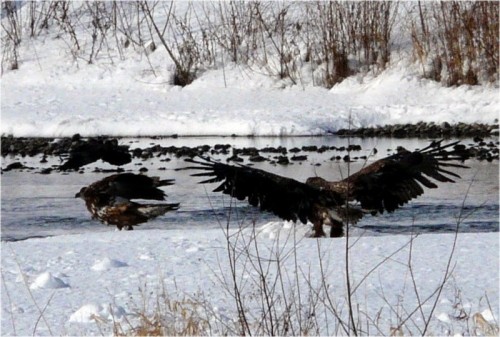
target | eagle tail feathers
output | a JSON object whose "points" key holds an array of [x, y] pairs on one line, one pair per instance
{"points": [[347, 214], [153, 210]]}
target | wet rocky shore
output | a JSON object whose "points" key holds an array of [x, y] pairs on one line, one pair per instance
{"points": [[424, 129], [78, 151]]}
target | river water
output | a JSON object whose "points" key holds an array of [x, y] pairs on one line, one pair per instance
{"points": [[39, 205]]}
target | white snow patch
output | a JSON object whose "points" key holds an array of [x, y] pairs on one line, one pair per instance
{"points": [[444, 317], [86, 314], [192, 249], [107, 263], [145, 257], [275, 229], [48, 281], [92, 312], [488, 315]]}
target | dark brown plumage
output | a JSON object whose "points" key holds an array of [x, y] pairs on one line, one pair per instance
{"points": [[109, 199], [84, 152], [382, 186]]}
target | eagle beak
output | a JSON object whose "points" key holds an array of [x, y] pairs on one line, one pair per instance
{"points": [[80, 194]]}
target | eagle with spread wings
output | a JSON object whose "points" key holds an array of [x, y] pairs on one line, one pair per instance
{"points": [[384, 185], [110, 199]]}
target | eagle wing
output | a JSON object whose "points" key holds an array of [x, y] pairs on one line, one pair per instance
{"points": [[135, 186], [287, 198], [391, 182]]}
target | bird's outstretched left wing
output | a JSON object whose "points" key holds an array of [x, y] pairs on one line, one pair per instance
{"points": [[285, 197]]}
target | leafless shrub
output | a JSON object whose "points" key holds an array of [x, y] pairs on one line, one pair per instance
{"points": [[39, 15], [11, 35], [336, 39], [332, 46], [102, 23], [269, 299], [352, 37], [183, 49], [281, 34], [68, 19], [457, 42], [231, 25], [130, 22]]}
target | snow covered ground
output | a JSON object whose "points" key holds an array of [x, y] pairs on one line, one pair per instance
{"points": [[57, 101], [81, 284]]}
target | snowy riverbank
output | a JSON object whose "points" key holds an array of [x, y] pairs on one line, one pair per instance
{"points": [[109, 275], [55, 102]]}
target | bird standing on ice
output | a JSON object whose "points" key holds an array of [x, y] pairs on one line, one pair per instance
{"points": [[110, 199]]}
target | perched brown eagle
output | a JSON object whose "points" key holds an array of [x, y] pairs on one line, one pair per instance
{"points": [[84, 152], [382, 186], [109, 199]]}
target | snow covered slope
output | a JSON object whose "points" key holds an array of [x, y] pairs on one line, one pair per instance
{"points": [[94, 101]]}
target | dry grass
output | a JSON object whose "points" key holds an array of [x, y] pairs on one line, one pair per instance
{"points": [[455, 42], [167, 316]]}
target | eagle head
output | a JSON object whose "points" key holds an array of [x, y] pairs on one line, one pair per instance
{"points": [[81, 193], [317, 182]]}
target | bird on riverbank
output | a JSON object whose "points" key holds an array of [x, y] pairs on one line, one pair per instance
{"points": [[84, 152], [110, 199], [384, 185]]}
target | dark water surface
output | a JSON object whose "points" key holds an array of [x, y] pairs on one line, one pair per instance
{"points": [[35, 205]]}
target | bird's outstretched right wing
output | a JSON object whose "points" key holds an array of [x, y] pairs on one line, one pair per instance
{"points": [[389, 183]]}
